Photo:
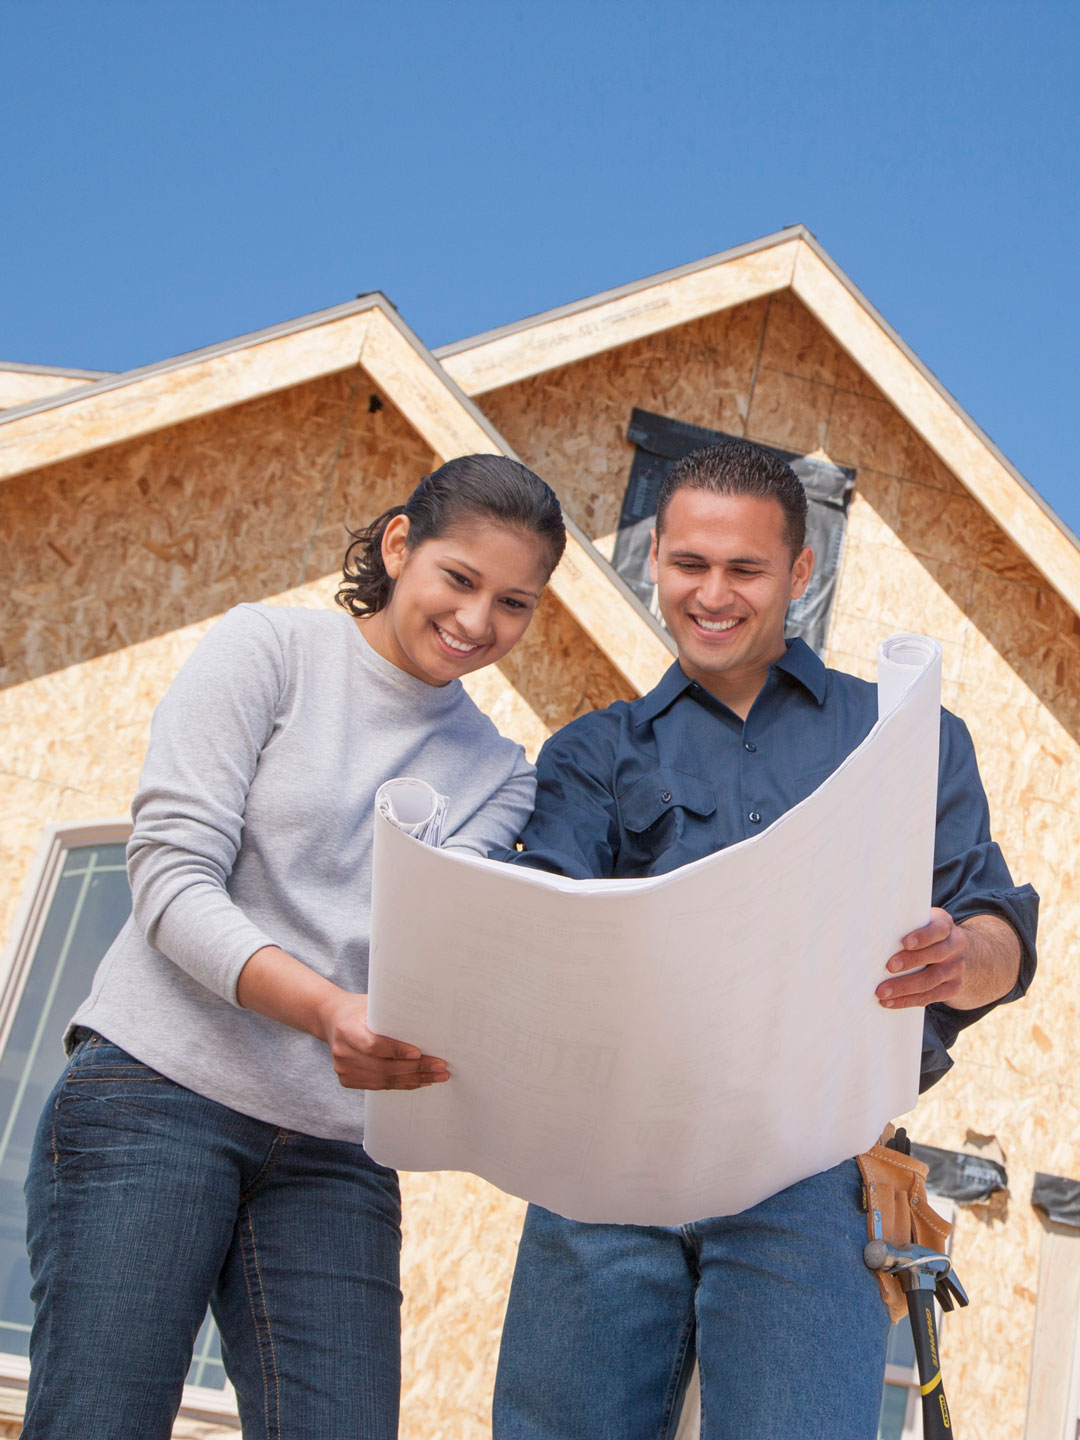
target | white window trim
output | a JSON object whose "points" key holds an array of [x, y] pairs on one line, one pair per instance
{"points": [[1053, 1402], [39, 890], [37, 896]]}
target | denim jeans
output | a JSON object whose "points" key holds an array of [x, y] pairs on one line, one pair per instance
{"points": [[787, 1323], [144, 1202]]}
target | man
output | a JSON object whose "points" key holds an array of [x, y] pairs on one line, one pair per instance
{"points": [[787, 1324]]}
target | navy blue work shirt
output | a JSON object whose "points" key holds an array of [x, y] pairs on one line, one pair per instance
{"points": [[651, 784]]}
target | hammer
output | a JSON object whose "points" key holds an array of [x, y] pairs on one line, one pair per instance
{"points": [[923, 1274]]}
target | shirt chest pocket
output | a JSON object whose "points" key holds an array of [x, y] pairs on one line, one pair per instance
{"points": [[665, 817]]}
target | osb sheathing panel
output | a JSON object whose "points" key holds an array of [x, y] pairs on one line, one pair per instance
{"points": [[937, 418], [149, 536], [212, 496], [570, 423], [546, 343]]}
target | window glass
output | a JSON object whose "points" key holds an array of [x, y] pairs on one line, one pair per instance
{"points": [[901, 1349], [89, 906], [894, 1409]]}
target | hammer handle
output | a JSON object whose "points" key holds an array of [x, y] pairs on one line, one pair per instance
{"points": [[937, 1422]]}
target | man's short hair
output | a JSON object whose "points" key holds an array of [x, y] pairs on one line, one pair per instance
{"points": [[738, 467]]}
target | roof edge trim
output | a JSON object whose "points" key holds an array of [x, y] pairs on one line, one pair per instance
{"points": [[928, 375], [375, 300], [17, 367], [620, 292]]}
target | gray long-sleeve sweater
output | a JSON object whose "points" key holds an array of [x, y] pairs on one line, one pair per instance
{"points": [[253, 826]]}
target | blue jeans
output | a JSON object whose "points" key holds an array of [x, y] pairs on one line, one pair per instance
{"points": [[144, 1202], [786, 1321]]}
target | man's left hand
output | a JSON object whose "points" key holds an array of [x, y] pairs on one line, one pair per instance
{"points": [[939, 946]]}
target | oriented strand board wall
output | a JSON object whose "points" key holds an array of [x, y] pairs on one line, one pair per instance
{"points": [[920, 555], [570, 424], [120, 562], [146, 537]]}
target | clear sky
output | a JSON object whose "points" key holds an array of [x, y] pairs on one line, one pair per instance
{"points": [[175, 172]]}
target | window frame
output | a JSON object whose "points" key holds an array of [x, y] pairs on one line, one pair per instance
{"points": [[27, 925]]}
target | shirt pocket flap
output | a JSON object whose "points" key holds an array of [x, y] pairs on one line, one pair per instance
{"points": [[643, 803], [810, 780]]}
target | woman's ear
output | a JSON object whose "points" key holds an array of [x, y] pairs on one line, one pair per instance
{"points": [[394, 541]]}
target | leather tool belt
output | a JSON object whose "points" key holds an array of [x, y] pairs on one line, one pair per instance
{"points": [[894, 1198]]}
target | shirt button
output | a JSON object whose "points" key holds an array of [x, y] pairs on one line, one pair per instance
{"points": [[749, 745], [665, 797], [754, 817]]}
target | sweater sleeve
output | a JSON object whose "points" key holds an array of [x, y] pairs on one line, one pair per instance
{"points": [[206, 738], [575, 828], [501, 818]]}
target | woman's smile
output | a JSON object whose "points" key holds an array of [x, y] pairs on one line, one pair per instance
{"points": [[453, 643], [460, 601]]}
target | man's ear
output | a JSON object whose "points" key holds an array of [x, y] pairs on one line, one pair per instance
{"points": [[654, 555], [801, 571], [394, 540]]}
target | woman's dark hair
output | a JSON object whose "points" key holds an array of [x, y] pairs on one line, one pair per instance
{"points": [[738, 467], [488, 487]]}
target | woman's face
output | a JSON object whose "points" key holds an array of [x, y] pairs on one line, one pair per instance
{"points": [[460, 601]]}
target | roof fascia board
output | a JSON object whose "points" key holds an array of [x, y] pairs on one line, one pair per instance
{"points": [[208, 352], [596, 596], [18, 368], [141, 401], [945, 426], [615, 317]]}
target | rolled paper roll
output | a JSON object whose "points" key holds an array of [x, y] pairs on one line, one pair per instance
{"points": [[902, 659], [412, 806]]}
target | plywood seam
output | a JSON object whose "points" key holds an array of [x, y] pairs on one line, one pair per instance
{"points": [[331, 471], [757, 367]]}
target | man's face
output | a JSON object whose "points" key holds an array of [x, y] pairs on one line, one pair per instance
{"points": [[724, 575]]}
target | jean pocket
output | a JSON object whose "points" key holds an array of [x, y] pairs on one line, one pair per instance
{"points": [[97, 1060]]}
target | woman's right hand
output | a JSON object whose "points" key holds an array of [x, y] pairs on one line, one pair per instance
{"points": [[276, 984], [365, 1061]]}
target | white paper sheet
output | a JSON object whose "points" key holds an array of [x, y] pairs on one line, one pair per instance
{"points": [[656, 1051]]}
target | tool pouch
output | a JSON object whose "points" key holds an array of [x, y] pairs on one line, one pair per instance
{"points": [[894, 1197]]}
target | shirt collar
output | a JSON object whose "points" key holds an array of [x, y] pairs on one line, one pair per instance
{"points": [[798, 661], [803, 665]]}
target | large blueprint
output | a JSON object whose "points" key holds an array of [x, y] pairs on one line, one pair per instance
{"points": [[656, 1051]]}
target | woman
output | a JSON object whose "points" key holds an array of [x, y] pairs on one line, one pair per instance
{"points": [[199, 1145]]}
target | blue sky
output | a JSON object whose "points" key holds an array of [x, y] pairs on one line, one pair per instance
{"points": [[179, 171]]}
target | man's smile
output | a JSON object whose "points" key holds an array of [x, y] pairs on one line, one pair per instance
{"points": [[715, 627]]}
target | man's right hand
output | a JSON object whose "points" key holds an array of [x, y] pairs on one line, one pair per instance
{"points": [[365, 1061]]}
